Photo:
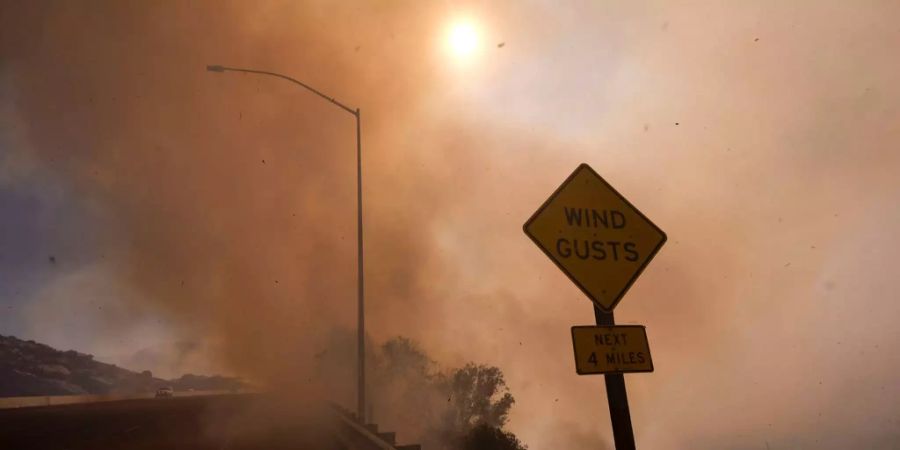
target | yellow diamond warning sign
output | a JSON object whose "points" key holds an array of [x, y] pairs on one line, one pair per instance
{"points": [[613, 349], [599, 239]]}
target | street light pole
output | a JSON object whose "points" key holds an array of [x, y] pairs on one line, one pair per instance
{"points": [[361, 310], [361, 317]]}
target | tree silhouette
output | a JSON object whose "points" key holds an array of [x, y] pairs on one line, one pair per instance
{"points": [[479, 396], [457, 409], [485, 437]]}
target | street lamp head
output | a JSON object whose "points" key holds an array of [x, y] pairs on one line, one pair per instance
{"points": [[215, 68]]}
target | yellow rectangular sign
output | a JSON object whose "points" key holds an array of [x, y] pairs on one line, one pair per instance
{"points": [[612, 349]]}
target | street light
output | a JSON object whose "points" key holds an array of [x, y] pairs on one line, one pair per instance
{"points": [[361, 322]]}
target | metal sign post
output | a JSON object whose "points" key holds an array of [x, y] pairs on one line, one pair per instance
{"points": [[616, 396]]}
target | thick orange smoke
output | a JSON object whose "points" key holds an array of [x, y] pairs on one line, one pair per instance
{"points": [[760, 138], [231, 198]]}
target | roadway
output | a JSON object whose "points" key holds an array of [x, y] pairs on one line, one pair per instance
{"points": [[238, 421]]}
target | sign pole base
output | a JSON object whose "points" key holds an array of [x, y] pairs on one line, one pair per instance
{"points": [[619, 414]]}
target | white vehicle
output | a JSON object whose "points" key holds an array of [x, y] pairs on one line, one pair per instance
{"points": [[164, 392]]}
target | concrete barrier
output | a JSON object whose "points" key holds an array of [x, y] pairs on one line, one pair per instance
{"points": [[359, 436], [52, 400]]}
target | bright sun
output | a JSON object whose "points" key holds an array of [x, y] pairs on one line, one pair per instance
{"points": [[463, 39]]}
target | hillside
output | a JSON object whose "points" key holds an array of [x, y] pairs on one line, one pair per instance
{"points": [[30, 368]]}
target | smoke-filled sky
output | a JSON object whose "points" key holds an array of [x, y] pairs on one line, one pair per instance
{"points": [[175, 219]]}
